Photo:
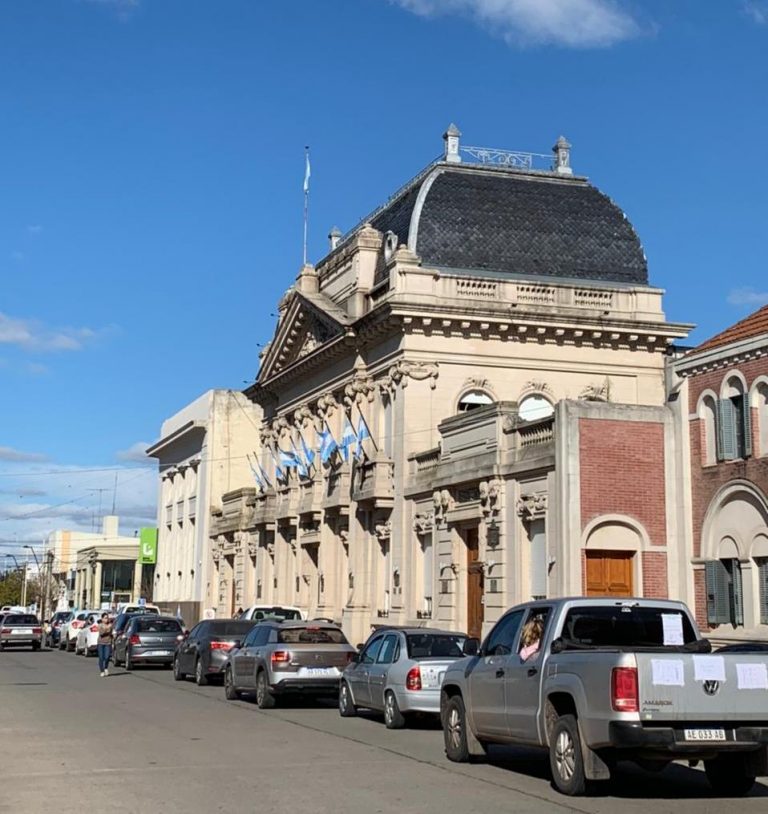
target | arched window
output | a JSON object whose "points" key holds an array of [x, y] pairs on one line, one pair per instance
{"points": [[533, 407], [474, 399], [761, 430], [707, 413], [734, 422]]}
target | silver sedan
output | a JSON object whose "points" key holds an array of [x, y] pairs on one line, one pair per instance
{"points": [[399, 671]]}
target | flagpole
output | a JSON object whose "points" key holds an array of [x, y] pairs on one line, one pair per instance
{"points": [[306, 199]]}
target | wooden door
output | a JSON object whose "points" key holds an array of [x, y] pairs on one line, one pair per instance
{"points": [[474, 585], [609, 573]]}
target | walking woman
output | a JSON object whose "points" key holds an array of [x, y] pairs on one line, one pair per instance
{"points": [[104, 644]]}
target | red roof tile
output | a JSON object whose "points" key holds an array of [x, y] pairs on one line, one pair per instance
{"points": [[749, 327]]}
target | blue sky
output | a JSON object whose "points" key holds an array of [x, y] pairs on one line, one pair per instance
{"points": [[151, 161]]}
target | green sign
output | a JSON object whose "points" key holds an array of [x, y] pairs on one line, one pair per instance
{"points": [[148, 546]]}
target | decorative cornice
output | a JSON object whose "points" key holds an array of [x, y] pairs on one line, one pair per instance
{"points": [[399, 373]]}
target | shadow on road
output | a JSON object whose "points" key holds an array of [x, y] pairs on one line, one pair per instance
{"points": [[628, 781]]}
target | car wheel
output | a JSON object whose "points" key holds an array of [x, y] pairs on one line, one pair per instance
{"points": [[128, 664], [393, 718], [346, 708], [201, 679], [264, 697], [728, 775], [115, 660], [455, 730], [177, 674], [565, 757], [230, 693]]}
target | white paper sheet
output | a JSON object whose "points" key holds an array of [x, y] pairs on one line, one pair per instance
{"points": [[667, 672], [672, 624], [752, 676], [709, 668]]}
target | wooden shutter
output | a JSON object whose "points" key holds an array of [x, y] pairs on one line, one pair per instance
{"points": [[726, 430], [762, 580], [747, 414], [738, 593], [717, 582]]}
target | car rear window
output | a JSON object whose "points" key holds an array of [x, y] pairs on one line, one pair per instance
{"points": [[62, 616], [434, 645], [281, 614], [311, 635], [229, 628], [155, 625], [625, 626], [21, 619]]}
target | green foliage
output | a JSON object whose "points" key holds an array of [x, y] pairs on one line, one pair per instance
{"points": [[10, 588]]}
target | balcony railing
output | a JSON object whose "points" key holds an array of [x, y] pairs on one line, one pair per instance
{"points": [[536, 433]]}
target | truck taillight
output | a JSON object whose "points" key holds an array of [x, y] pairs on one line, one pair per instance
{"points": [[281, 657], [624, 693], [134, 639], [413, 679]]}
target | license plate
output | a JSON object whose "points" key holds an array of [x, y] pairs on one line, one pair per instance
{"points": [[704, 734], [153, 653], [24, 631], [320, 672], [432, 678]]}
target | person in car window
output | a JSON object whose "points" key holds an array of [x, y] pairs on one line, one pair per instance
{"points": [[104, 644], [530, 638]]}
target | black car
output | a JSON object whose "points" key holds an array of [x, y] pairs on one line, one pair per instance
{"points": [[53, 628], [148, 639], [204, 652], [744, 647]]}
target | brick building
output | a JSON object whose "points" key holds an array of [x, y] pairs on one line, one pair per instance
{"points": [[721, 393]]}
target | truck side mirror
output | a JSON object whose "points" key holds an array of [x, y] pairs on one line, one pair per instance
{"points": [[471, 647]]}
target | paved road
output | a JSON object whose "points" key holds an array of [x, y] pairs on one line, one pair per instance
{"points": [[71, 741]]}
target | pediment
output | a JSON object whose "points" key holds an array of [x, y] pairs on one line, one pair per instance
{"points": [[305, 329]]}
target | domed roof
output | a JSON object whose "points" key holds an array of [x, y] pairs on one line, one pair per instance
{"points": [[512, 221]]}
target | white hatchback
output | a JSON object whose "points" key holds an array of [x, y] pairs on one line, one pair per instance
{"points": [[69, 637], [88, 636]]}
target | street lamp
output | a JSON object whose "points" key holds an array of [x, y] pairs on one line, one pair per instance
{"points": [[37, 562]]}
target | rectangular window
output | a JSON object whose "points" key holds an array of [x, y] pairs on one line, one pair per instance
{"points": [[538, 562], [169, 514], [192, 507], [725, 605], [762, 576], [734, 428], [180, 512], [428, 575]]}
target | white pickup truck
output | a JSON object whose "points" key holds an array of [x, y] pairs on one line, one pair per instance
{"points": [[595, 681]]}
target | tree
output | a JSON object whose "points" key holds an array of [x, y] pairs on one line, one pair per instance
{"points": [[10, 587]]}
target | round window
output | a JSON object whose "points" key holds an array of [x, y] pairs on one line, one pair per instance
{"points": [[534, 407]]}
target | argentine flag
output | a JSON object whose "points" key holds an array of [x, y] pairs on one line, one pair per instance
{"points": [[309, 454], [301, 466], [307, 171], [348, 438], [327, 444], [362, 434], [287, 458], [280, 473], [256, 476]]}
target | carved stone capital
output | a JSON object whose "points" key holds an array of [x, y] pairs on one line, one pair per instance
{"points": [[399, 373], [489, 495], [360, 389], [326, 405], [383, 530], [532, 506], [423, 523]]}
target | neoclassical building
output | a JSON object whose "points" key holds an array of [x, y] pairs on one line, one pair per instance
{"points": [[494, 326]]}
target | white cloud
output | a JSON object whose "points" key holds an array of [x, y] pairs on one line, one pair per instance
{"points": [[32, 335], [573, 23], [747, 296], [757, 10], [136, 453], [18, 456]]}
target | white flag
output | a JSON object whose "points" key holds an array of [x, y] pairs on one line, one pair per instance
{"points": [[307, 173]]}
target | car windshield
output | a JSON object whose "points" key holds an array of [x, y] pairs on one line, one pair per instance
{"points": [[155, 625], [311, 635], [20, 619], [230, 628], [627, 626], [61, 616], [281, 614], [434, 645]]}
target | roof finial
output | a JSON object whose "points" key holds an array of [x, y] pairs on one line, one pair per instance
{"points": [[334, 236], [451, 139], [562, 151]]}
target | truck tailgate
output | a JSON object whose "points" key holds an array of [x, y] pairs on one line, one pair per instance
{"points": [[712, 687]]}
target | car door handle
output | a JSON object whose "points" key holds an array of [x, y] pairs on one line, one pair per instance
{"points": [[500, 672], [532, 671]]}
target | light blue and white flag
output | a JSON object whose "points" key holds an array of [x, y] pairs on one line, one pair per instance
{"points": [[263, 474], [287, 458], [362, 433], [301, 466], [280, 473], [307, 452], [348, 438], [256, 475], [328, 444], [307, 171]]}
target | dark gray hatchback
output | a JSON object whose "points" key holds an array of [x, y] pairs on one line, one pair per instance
{"points": [[148, 640]]}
